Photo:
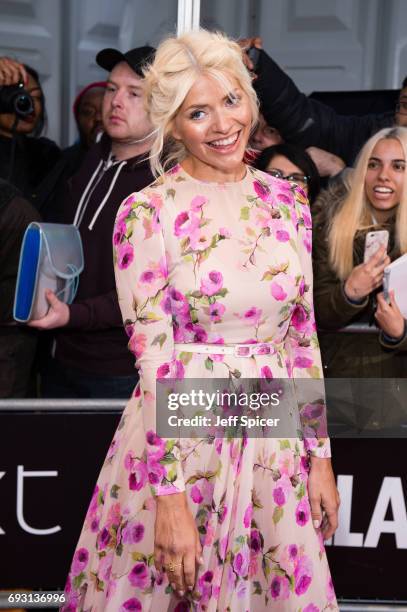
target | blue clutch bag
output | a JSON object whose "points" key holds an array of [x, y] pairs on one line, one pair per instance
{"points": [[51, 257]]}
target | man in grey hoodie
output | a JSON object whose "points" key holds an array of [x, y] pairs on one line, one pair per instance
{"points": [[91, 355]]}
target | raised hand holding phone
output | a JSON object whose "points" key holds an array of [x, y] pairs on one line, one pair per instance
{"points": [[367, 277]]}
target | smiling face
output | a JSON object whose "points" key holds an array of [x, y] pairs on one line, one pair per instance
{"points": [[385, 178], [124, 117], [214, 126]]}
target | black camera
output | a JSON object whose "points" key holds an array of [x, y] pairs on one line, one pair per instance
{"points": [[16, 100]]}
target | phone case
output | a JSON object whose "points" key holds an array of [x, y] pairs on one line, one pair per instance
{"points": [[374, 240]]}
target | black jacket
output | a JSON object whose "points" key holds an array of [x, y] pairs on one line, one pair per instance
{"points": [[307, 122], [34, 158], [15, 214], [94, 340], [17, 342], [50, 194]]}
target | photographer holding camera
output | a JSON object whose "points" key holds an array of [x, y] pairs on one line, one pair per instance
{"points": [[25, 157]]}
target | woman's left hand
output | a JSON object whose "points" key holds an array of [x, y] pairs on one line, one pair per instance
{"points": [[323, 496], [389, 317]]}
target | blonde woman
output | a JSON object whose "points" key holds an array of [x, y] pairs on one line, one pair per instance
{"points": [[214, 281], [347, 290]]}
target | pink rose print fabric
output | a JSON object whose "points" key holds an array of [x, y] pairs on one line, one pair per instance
{"points": [[200, 262]]}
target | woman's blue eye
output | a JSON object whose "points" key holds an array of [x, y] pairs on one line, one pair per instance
{"points": [[197, 114]]}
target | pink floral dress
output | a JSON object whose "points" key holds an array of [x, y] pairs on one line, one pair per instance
{"points": [[211, 263]]}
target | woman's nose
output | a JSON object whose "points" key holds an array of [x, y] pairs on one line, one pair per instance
{"points": [[384, 173], [222, 122]]}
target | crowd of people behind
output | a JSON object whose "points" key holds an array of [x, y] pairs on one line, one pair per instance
{"points": [[212, 263], [80, 350]]}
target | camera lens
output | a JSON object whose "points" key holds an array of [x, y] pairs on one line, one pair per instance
{"points": [[23, 104], [15, 99]]}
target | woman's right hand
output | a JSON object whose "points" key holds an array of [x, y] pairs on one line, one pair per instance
{"points": [[368, 276], [11, 72], [389, 317], [176, 542]]}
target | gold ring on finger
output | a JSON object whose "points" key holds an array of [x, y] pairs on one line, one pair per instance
{"points": [[171, 567]]}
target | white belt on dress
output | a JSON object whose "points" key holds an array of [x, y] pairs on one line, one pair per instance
{"points": [[238, 350]]}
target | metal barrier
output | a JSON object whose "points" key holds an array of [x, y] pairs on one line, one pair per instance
{"points": [[368, 606], [62, 405], [371, 607]]}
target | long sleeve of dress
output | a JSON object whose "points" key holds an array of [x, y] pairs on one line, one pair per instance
{"points": [[302, 342], [143, 292]]}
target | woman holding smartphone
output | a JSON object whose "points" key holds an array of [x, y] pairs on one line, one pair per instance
{"points": [[348, 279]]}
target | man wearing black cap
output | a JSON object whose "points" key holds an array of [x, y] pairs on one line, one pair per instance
{"points": [[123, 114], [91, 356]]}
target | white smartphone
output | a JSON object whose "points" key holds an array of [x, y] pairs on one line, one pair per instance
{"points": [[375, 240]]}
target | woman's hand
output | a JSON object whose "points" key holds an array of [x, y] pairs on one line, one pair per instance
{"points": [[57, 315], [368, 276], [389, 317], [176, 542], [11, 72], [323, 496]]}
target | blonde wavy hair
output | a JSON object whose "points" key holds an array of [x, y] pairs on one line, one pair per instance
{"points": [[356, 212], [178, 63]]}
